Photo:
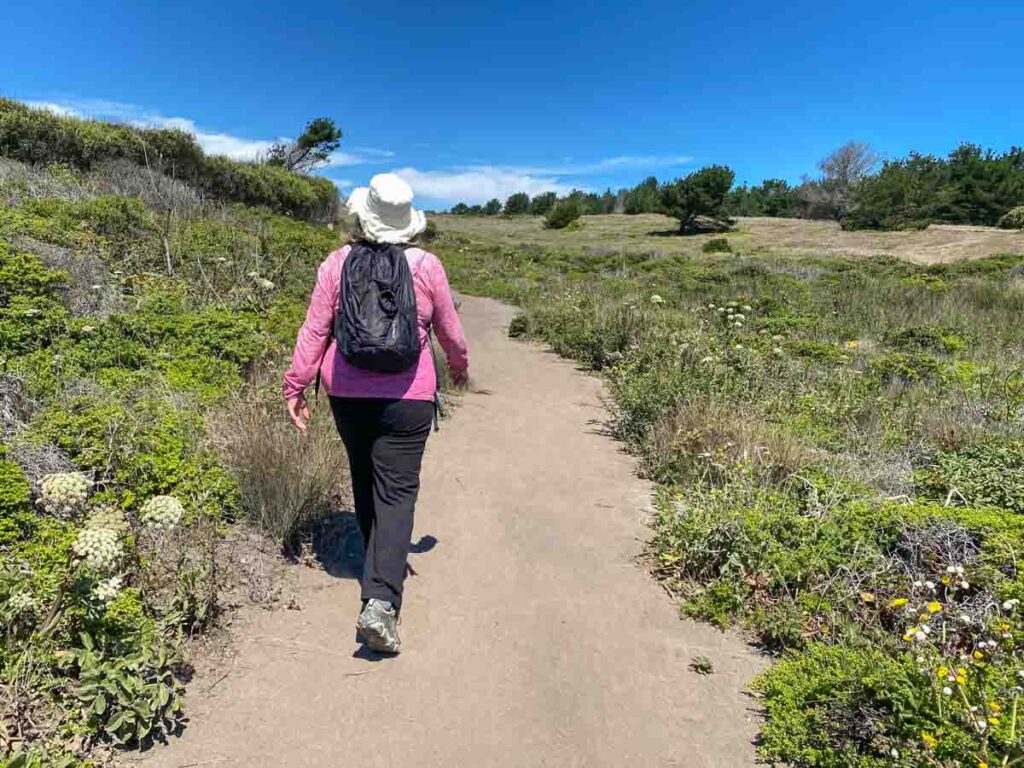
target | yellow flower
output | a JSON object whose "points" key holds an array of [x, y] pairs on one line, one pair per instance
{"points": [[867, 597], [934, 606], [982, 765], [978, 655], [943, 671], [994, 720], [899, 602], [928, 739], [945, 579], [961, 680], [853, 344], [961, 671], [994, 706]]}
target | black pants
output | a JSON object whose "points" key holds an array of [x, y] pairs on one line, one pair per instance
{"points": [[385, 441]]}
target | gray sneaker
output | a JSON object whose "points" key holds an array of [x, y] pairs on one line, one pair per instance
{"points": [[378, 627]]}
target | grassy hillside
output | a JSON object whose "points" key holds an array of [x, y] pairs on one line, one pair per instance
{"points": [[136, 313], [839, 450]]}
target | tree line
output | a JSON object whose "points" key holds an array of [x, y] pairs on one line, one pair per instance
{"points": [[854, 186]]}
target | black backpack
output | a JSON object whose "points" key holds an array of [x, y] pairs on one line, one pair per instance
{"points": [[376, 325]]}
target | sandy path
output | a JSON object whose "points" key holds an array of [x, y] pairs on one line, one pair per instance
{"points": [[531, 636]]}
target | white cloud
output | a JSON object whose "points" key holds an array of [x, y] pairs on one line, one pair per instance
{"points": [[608, 164], [58, 109], [478, 184], [359, 156]]}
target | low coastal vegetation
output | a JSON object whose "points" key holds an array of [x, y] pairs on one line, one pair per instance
{"points": [[138, 311], [838, 447]]}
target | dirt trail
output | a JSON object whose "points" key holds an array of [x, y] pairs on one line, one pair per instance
{"points": [[531, 636]]}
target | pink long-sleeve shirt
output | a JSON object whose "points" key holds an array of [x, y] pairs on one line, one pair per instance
{"points": [[434, 307]]}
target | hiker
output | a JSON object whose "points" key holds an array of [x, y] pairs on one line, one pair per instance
{"points": [[367, 337]]}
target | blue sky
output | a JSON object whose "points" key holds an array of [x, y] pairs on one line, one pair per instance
{"points": [[473, 100]]}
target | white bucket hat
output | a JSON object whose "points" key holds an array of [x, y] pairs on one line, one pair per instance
{"points": [[385, 210]]}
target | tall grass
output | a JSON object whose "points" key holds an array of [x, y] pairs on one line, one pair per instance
{"points": [[287, 481]]}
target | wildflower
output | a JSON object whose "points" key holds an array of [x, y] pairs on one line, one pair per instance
{"points": [[737, 325], [739, 317], [265, 284], [32, 312], [64, 491], [898, 602], [943, 671], [950, 569], [707, 360], [21, 602], [961, 680], [960, 570], [777, 339], [98, 548], [934, 606], [162, 512], [964, 585], [107, 589], [88, 328], [721, 310], [747, 308], [993, 721], [994, 706], [945, 580], [921, 635], [930, 586], [917, 584], [853, 344], [947, 691], [656, 299], [895, 753], [1009, 605], [978, 655], [928, 739], [776, 350]]}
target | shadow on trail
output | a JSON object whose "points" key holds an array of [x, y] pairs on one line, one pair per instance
{"points": [[337, 545]]}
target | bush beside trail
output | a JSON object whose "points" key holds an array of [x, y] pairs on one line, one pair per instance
{"points": [[838, 448], [121, 327], [40, 137]]}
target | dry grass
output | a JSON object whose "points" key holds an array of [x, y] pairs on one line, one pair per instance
{"points": [[287, 481], [655, 234]]}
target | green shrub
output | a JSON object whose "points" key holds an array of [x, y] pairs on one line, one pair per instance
{"points": [[906, 366], [717, 245], [16, 515], [40, 137], [989, 473], [142, 446], [1013, 219], [564, 213], [31, 313], [926, 338]]}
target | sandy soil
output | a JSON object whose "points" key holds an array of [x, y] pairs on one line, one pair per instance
{"points": [[532, 637], [794, 237]]}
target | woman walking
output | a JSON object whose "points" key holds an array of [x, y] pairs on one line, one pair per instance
{"points": [[366, 335]]}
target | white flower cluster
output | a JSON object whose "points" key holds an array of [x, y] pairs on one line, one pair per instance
{"points": [[107, 589], [162, 512], [107, 516], [98, 547], [64, 491], [261, 282], [20, 602], [656, 299]]}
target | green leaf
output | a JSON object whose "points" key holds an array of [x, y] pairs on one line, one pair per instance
{"points": [[99, 704], [86, 640]]}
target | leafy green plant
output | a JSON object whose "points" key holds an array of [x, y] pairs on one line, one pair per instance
{"points": [[128, 698], [717, 245]]}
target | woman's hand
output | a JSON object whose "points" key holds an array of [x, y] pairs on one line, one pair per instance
{"points": [[459, 378], [298, 412]]}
